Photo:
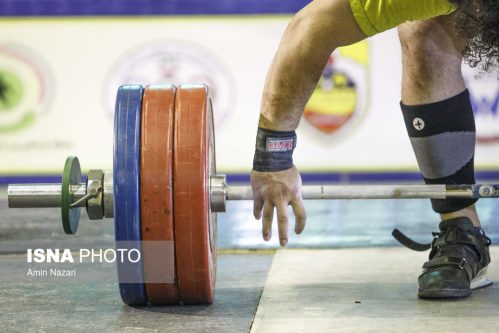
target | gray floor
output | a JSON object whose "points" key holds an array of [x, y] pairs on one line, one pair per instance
{"points": [[68, 305], [310, 290], [365, 290]]}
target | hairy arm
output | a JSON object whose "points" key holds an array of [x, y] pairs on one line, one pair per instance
{"points": [[309, 39]]}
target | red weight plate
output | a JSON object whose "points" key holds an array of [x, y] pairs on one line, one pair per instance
{"points": [[195, 225], [156, 194]]}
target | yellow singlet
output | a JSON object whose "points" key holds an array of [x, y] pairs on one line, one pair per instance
{"points": [[374, 16]]}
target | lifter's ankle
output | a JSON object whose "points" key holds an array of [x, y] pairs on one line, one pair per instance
{"points": [[469, 212]]}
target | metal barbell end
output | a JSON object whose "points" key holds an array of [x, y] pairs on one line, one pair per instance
{"points": [[41, 195], [49, 195]]}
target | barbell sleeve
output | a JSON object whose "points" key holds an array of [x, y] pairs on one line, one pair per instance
{"points": [[41, 195]]}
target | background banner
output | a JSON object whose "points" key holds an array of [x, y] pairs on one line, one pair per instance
{"points": [[59, 77]]}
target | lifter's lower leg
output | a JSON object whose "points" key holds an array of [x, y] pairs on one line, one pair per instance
{"points": [[432, 73], [441, 126]]}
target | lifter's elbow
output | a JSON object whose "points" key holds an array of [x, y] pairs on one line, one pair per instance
{"points": [[310, 31], [328, 22]]}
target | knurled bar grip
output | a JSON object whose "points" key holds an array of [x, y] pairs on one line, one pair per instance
{"points": [[319, 192], [49, 195]]}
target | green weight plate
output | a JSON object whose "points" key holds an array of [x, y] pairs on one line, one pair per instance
{"points": [[70, 176]]}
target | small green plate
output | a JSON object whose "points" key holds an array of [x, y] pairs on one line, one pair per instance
{"points": [[70, 176]]}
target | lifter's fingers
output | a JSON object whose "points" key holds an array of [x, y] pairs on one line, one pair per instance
{"points": [[300, 214], [268, 216], [282, 222], [257, 207]]}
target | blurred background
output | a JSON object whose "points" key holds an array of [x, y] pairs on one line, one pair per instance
{"points": [[61, 62]]}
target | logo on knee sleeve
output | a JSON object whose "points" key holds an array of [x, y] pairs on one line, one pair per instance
{"points": [[418, 124]]}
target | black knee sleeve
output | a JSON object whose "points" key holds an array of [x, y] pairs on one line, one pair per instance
{"points": [[443, 138]]}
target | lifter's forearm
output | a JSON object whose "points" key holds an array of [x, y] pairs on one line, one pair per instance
{"points": [[310, 38]]}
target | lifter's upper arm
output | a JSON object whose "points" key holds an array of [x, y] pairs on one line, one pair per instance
{"points": [[310, 38]]}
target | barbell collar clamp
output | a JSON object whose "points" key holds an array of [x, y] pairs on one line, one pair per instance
{"points": [[108, 194], [95, 187], [218, 193], [92, 192]]}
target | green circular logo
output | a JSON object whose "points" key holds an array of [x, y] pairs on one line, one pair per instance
{"points": [[24, 81], [11, 91]]}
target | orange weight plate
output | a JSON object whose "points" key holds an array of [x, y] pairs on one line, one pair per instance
{"points": [[156, 194], [195, 225]]}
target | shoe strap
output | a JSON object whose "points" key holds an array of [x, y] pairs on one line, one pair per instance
{"points": [[459, 262], [457, 237], [477, 243]]}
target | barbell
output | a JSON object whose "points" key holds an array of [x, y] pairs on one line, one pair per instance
{"points": [[164, 188]]}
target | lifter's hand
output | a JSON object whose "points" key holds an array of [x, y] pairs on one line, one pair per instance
{"points": [[278, 189]]}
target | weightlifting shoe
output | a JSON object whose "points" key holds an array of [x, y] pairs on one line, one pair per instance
{"points": [[458, 260]]}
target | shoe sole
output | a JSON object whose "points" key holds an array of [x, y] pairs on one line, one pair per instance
{"points": [[480, 281]]}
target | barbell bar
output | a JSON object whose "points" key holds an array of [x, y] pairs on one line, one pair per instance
{"points": [[49, 195]]}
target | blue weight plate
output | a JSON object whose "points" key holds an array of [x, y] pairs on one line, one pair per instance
{"points": [[126, 176]]}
